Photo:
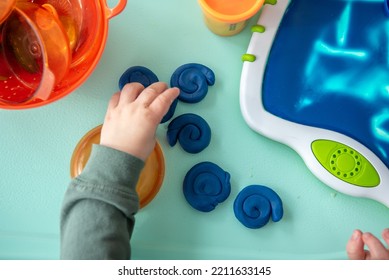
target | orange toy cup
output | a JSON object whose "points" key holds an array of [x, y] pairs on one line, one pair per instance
{"points": [[150, 179], [69, 13], [85, 22], [227, 18]]}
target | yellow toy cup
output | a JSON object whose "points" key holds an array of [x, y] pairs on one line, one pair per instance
{"points": [[227, 18]]}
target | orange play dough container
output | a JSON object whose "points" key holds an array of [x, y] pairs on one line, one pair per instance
{"points": [[227, 18], [86, 24], [150, 179]]}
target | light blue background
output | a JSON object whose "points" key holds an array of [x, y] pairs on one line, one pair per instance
{"points": [[36, 146]]}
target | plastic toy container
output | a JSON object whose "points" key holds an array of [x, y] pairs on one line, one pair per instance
{"points": [[150, 179], [84, 22], [227, 18]]}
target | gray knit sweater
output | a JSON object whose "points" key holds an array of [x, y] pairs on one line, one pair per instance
{"points": [[97, 217]]}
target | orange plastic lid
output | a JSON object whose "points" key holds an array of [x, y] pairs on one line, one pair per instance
{"points": [[231, 11], [150, 179]]}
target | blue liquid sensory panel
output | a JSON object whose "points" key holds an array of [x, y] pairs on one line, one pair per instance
{"points": [[329, 68]]}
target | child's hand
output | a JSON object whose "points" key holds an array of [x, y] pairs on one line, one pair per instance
{"points": [[133, 116], [377, 250]]}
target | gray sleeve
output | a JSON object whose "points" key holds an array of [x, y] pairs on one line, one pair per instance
{"points": [[97, 216]]}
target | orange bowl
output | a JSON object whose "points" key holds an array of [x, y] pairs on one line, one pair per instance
{"points": [[150, 179], [92, 35]]}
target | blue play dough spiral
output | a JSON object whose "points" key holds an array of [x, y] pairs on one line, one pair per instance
{"points": [[146, 77], [255, 204], [206, 185], [191, 130], [193, 80], [138, 74]]}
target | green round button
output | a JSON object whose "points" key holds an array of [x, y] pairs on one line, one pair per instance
{"points": [[345, 162]]}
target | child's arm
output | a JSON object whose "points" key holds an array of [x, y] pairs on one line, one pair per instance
{"points": [[97, 215], [377, 250]]}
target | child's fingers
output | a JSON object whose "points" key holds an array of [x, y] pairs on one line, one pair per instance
{"points": [[376, 248], [385, 236], [113, 102], [355, 250], [162, 103], [130, 92], [150, 93]]}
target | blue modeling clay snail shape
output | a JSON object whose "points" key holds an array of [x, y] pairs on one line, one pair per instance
{"points": [[206, 185], [191, 130], [146, 77], [255, 204], [193, 80], [138, 74]]}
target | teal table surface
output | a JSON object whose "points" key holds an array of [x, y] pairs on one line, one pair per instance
{"points": [[36, 146]]}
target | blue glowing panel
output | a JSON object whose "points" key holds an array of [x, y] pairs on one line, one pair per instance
{"points": [[329, 68]]}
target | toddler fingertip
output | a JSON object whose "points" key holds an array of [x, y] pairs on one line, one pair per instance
{"points": [[356, 235]]}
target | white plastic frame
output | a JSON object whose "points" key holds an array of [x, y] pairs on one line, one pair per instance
{"points": [[298, 137]]}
